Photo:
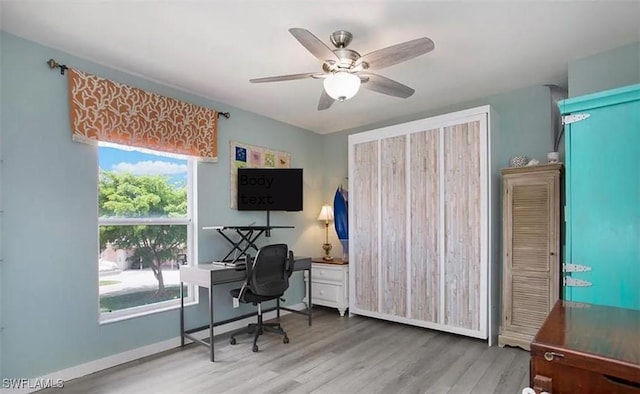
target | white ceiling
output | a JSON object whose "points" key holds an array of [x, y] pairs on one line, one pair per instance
{"points": [[213, 48]]}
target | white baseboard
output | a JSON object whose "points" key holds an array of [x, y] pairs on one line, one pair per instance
{"points": [[134, 354]]}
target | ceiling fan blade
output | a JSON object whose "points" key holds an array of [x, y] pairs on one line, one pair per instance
{"points": [[325, 101], [283, 78], [313, 44], [384, 85], [398, 53]]}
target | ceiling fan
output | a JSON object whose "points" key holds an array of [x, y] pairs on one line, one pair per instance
{"points": [[345, 70]]}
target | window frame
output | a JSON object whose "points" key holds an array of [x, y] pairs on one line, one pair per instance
{"points": [[192, 252]]}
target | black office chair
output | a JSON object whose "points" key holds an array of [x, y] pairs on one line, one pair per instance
{"points": [[267, 279]]}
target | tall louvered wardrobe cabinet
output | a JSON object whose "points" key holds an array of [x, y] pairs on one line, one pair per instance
{"points": [[422, 201], [531, 250]]}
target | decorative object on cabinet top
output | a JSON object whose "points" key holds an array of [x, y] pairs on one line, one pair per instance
{"points": [[541, 167], [518, 161]]}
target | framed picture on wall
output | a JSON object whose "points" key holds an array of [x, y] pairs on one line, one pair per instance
{"points": [[243, 155]]}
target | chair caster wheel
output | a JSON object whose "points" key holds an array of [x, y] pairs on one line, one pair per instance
{"points": [[232, 341], [255, 348], [285, 340]]}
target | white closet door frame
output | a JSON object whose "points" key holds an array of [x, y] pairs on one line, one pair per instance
{"points": [[480, 114]]}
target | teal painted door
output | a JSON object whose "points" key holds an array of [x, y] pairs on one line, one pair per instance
{"points": [[603, 197]]}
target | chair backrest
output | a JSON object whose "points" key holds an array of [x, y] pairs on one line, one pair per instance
{"points": [[270, 270]]}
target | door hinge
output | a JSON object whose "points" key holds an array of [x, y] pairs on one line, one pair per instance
{"points": [[573, 118], [573, 282], [575, 268]]}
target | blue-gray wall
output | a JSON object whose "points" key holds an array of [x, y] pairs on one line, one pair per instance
{"points": [[524, 128], [612, 69], [49, 220]]}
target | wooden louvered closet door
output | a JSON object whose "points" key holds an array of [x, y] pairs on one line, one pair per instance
{"points": [[531, 246]]}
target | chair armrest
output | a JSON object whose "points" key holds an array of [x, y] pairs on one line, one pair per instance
{"points": [[290, 263], [249, 267]]}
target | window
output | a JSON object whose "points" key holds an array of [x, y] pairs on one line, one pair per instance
{"points": [[146, 229]]}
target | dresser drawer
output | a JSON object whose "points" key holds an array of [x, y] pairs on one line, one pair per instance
{"points": [[323, 272], [323, 292]]}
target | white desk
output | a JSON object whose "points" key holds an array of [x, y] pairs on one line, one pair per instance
{"points": [[209, 275]]}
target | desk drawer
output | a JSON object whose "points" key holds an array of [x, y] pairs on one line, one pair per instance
{"points": [[323, 272]]}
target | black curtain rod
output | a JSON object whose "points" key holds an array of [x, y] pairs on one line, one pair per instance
{"points": [[53, 64]]}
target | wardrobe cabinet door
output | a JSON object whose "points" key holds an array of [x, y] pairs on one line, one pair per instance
{"points": [[393, 199], [424, 266], [364, 226], [603, 201], [462, 226], [531, 273]]}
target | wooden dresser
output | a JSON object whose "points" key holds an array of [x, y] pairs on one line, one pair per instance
{"points": [[585, 348]]}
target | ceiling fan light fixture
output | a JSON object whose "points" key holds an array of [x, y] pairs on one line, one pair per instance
{"points": [[342, 85]]}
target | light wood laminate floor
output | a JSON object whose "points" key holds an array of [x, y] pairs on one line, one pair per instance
{"points": [[335, 355]]}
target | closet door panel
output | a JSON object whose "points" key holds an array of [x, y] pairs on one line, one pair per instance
{"points": [[393, 262], [462, 225], [425, 225], [364, 227]]}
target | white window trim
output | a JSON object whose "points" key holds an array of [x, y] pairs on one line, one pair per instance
{"points": [[192, 252]]}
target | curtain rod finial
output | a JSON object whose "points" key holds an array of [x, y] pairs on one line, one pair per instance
{"points": [[225, 114], [53, 64]]}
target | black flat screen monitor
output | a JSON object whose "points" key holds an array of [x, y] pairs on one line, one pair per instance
{"points": [[269, 189]]}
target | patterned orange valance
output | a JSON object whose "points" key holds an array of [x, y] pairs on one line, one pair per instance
{"points": [[103, 110]]}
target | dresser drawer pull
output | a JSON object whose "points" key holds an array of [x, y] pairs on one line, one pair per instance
{"points": [[549, 356], [622, 382]]}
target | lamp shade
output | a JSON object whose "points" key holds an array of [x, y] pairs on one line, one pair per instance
{"points": [[342, 85], [326, 213]]}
